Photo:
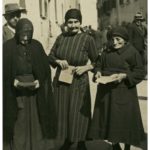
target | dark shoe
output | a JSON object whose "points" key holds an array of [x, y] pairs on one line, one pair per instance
{"points": [[81, 146], [127, 147], [116, 146], [66, 145]]}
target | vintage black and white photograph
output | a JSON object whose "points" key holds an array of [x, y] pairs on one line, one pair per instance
{"points": [[75, 74]]}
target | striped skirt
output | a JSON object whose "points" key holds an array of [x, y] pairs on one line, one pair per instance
{"points": [[73, 108]]}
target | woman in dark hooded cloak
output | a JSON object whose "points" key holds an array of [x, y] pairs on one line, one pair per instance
{"points": [[117, 116], [28, 107]]}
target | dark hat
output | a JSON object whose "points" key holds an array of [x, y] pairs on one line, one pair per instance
{"points": [[120, 31], [24, 25], [73, 13], [139, 16], [13, 7]]}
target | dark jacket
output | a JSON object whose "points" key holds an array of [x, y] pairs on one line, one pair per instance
{"points": [[45, 101], [137, 36], [7, 33]]}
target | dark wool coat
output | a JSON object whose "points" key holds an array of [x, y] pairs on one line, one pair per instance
{"points": [[117, 115], [42, 73]]}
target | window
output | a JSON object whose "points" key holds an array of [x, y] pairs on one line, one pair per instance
{"points": [[43, 8], [79, 6], [55, 3], [22, 3], [62, 9], [46, 7]]}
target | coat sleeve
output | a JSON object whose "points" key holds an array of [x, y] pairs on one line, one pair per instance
{"points": [[9, 100], [136, 73], [52, 55], [45, 100], [100, 61], [92, 50], [40, 63]]}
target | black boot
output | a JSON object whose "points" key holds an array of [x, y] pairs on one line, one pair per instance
{"points": [[126, 147], [116, 146], [81, 146], [66, 146]]}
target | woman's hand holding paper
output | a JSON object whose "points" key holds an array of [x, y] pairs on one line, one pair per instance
{"points": [[62, 63]]}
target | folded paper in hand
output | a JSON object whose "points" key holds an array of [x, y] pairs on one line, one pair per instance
{"points": [[66, 75], [106, 79]]}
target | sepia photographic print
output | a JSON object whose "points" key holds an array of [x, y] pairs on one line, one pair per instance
{"points": [[75, 75]]}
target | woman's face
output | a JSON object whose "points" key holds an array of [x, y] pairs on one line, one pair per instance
{"points": [[73, 25], [118, 42], [25, 37]]}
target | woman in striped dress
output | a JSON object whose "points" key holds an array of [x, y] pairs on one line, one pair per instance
{"points": [[73, 48]]}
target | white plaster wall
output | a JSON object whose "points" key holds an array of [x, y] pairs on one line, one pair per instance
{"points": [[89, 13]]}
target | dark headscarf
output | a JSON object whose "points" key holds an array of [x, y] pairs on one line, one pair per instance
{"points": [[120, 31], [73, 13], [24, 25]]}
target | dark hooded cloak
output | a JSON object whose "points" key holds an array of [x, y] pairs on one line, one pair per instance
{"points": [[42, 72]]}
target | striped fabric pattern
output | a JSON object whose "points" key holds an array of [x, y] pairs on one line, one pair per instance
{"points": [[75, 49], [73, 101]]}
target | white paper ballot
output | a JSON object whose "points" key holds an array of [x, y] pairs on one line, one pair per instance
{"points": [[106, 79], [66, 75]]}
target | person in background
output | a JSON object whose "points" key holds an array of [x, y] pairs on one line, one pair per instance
{"points": [[108, 35], [125, 24], [28, 106], [73, 102], [97, 35], [138, 35], [85, 29], [106, 38], [63, 28], [12, 15], [117, 116]]}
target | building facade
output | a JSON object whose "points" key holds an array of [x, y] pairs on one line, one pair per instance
{"points": [[116, 12], [89, 12], [46, 16]]}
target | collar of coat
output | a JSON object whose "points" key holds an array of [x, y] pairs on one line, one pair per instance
{"points": [[119, 51], [123, 49]]}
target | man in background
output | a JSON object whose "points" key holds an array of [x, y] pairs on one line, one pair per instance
{"points": [[138, 37], [12, 15], [138, 34]]}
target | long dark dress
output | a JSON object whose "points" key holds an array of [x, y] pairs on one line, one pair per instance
{"points": [[29, 116], [73, 101], [117, 115]]}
